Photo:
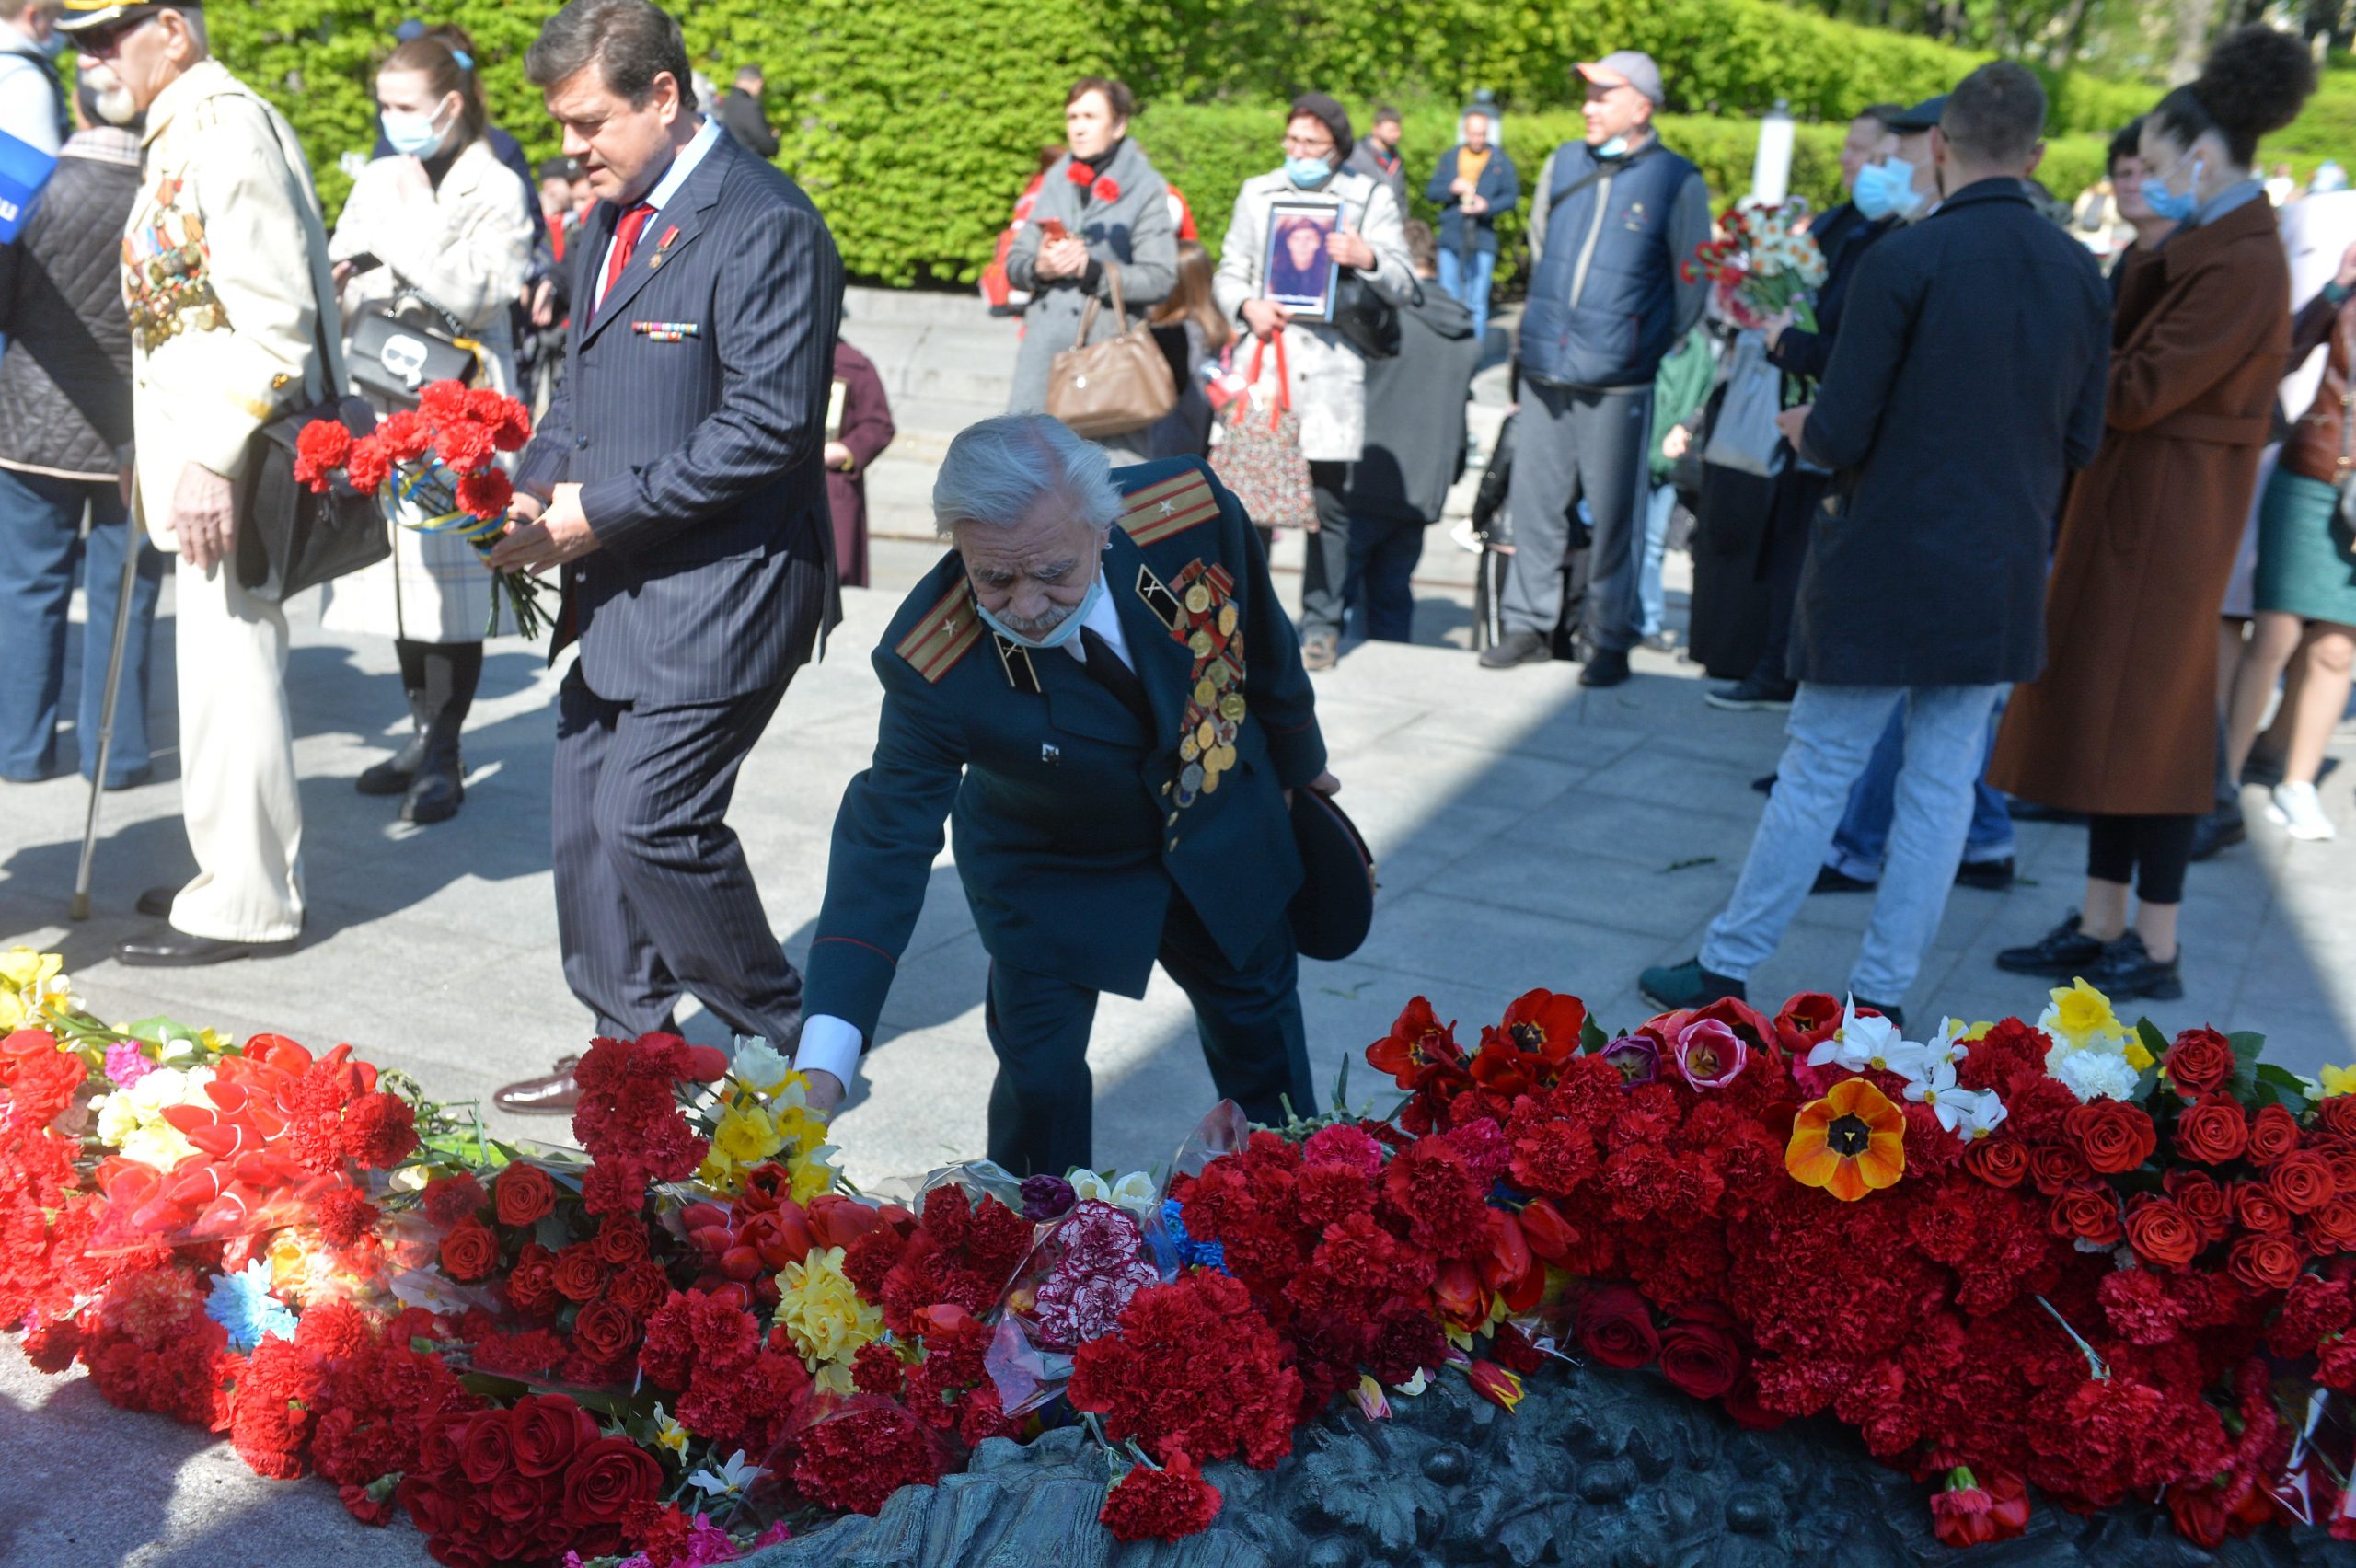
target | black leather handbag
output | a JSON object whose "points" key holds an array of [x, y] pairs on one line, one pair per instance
{"points": [[395, 349], [290, 539], [1363, 315]]}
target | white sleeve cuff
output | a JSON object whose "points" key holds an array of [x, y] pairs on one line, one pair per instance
{"points": [[828, 1044]]}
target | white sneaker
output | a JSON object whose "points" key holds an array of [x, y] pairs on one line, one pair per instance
{"points": [[2296, 809], [1466, 539]]}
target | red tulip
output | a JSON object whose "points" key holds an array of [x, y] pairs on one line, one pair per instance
{"points": [[1496, 1385], [1543, 1226]]}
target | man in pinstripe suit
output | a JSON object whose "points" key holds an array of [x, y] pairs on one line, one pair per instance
{"points": [[677, 481]]}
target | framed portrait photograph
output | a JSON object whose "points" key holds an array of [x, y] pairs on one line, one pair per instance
{"points": [[1295, 271]]}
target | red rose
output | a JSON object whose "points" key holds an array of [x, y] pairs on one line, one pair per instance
{"points": [[548, 1430], [518, 1501], [578, 1274], [2160, 1232], [363, 1506], [469, 1250], [2088, 1212], [2273, 1133], [2332, 1228], [2336, 1116], [486, 494], [2200, 1515], [320, 450], [2213, 1130], [523, 1193], [1700, 1359], [2001, 1159], [606, 1332], [2256, 1208], [2057, 1167], [2114, 1135], [531, 1284], [2202, 1201], [2199, 1062], [1616, 1327], [2303, 1180], [2266, 1262], [643, 1287], [606, 1478], [621, 1240], [487, 1449]]}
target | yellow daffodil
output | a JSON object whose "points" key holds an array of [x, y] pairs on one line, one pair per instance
{"points": [[2138, 1057], [821, 1312], [2081, 1018], [1977, 1032], [746, 1136], [812, 1175], [27, 972], [2339, 1081]]}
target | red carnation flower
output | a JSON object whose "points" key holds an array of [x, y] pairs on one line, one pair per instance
{"points": [[405, 435], [1169, 1504], [378, 1130], [443, 401], [320, 450], [367, 465], [1106, 190], [463, 446], [486, 494], [1079, 173]]}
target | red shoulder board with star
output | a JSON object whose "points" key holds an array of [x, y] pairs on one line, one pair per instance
{"points": [[947, 633], [1176, 505]]}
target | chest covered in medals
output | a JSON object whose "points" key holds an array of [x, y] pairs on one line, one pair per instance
{"points": [[166, 266]]}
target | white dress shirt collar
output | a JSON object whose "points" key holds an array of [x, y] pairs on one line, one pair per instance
{"points": [[1104, 619], [684, 164]]}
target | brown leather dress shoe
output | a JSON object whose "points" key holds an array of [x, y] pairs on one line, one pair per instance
{"points": [[556, 1095]]}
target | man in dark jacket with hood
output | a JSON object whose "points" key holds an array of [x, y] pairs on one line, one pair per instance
{"points": [[64, 442], [1414, 445], [1967, 380]]}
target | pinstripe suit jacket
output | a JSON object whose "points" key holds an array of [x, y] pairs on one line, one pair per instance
{"points": [[694, 418]]}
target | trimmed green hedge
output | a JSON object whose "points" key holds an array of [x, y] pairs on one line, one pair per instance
{"points": [[914, 123]]}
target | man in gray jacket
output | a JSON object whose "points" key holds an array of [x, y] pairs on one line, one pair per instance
{"points": [[1414, 445], [64, 443]]}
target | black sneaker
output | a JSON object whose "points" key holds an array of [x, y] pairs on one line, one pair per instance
{"points": [[1605, 667], [1832, 879], [1990, 876], [1751, 695], [1518, 647], [1897, 1015], [2129, 973], [2062, 953], [2263, 770], [1681, 985], [2219, 830]]}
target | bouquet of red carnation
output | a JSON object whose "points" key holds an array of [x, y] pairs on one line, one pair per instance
{"points": [[1766, 262], [435, 469]]}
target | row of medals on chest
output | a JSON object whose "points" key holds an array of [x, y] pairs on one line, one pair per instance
{"points": [[1215, 714], [167, 290]]}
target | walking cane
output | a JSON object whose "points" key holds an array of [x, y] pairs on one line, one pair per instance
{"points": [[132, 542]]}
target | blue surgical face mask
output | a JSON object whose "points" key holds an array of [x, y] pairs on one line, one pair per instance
{"points": [[1884, 189], [2166, 203], [1307, 173], [413, 134], [1615, 148], [1065, 629]]}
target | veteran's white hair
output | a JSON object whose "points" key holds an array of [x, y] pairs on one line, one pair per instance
{"points": [[998, 471]]}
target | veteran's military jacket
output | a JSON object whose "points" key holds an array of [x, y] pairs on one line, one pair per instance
{"points": [[225, 260], [1073, 824]]}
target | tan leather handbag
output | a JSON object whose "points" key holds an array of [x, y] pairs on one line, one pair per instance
{"points": [[1113, 387]]}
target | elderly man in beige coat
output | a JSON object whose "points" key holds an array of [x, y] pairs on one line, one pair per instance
{"points": [[225, 276], [1326, 375]]}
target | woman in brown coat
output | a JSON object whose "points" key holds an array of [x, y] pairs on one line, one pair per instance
{"points": [[2123, 725], [858, 427]]}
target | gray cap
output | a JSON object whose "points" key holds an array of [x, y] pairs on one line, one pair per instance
{"points": [[1629, 68], [1921, 118]]}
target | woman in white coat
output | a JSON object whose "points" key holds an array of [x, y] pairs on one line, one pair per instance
{"points": [[442, 218], [1325, 375]]}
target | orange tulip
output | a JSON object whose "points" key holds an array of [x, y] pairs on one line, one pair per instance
{"points": [[1850, 1143], [1496, 1385]]}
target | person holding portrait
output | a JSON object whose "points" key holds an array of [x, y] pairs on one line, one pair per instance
{"points": [[1102, 208], [1324, 372]]}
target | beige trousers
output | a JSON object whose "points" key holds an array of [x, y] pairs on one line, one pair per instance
{"points": [[237, 794]]}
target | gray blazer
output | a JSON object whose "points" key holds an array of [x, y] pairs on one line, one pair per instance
{"points": [[1134, 229]]}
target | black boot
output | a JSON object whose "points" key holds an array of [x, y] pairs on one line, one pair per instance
{"points": [[452, 671], [396, 773]]}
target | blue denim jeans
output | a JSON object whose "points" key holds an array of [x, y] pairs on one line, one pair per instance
{"points": [[1650, 595], [1467, 278], [1864, 837], [1831, 735], [41, 546]]}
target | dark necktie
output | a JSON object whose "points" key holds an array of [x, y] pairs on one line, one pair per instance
{"points": [[1105, 667], [626, 236]]}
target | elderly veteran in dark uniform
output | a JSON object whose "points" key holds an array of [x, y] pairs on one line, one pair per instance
{"points": [[1099, 688]]}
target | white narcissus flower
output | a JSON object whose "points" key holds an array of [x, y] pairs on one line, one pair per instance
{"points": [[2096, 1075], [1937, 1088], [1133, 1192], [1946, 1043], [1860, 1042], [730, 1478], [758, 1066], [1988, 1113]]}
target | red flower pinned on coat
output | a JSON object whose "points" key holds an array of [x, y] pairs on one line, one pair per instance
{"points": [[1106, 191]]}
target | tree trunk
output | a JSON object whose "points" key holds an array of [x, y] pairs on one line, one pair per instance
{"points": [[2192, 19]]}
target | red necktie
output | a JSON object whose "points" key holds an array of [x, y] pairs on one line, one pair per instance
{"points": [[626, 234]]}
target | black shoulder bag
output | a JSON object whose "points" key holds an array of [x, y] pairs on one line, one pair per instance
{"points": [[288, 538], [396, 349]]}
